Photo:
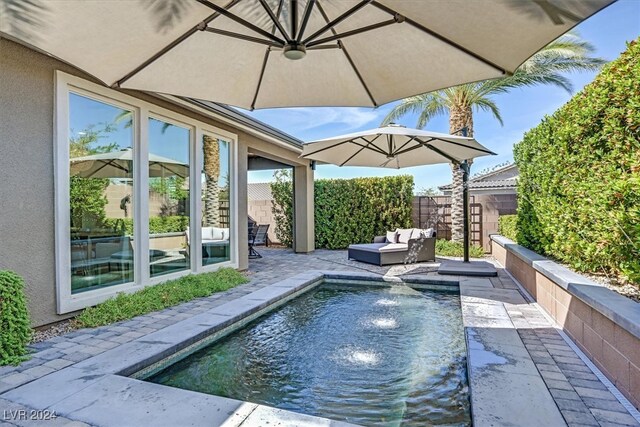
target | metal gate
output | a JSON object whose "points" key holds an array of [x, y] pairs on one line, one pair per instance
{"points": [[435, 212]]}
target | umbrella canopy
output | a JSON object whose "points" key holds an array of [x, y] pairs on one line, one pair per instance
{"points": [[119, 164], [394, 147], [284, 53]]}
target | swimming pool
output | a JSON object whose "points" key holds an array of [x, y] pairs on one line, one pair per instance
{"points": [[370, 355]]}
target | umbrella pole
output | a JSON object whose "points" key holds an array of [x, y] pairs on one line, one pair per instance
{"points": [[464, 166]]}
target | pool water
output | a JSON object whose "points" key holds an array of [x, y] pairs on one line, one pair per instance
{"points": [[385, 356]]}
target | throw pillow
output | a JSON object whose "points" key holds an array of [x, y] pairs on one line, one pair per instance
{"points": [[429, 232], [404, 234], [416, 233], [392, 236]]}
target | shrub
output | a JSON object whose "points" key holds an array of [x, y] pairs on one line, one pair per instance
{"points": [[579, 184], [349, 210], [450, 248], [282, 206], [507, 226], [157, 224], [153, 298], [15, 331]]}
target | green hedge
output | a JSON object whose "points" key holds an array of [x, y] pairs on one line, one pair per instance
{"points": [[15, 331], [449, 248], [507, 226], [153, 298], [579, 184], [157, 224], [349, 210]]}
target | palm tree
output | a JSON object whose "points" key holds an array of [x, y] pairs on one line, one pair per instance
{"points": [[566, 54], [211, 152]]}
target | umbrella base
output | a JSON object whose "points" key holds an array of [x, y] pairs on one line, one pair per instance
{"points": [[472, 268]]}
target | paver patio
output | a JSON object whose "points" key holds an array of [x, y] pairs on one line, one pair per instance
{"points": [[582, 399]]}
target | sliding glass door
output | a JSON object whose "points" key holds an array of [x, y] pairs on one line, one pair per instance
{"points": [[169, 192], [101, 183]]}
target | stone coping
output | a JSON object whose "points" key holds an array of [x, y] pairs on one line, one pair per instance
{"points": [[620, 310]]}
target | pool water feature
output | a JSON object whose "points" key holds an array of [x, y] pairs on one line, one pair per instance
{"points": [[369, 355]]}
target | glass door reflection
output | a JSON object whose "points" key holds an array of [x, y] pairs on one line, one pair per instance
{"points": [[216, 215], [168, 197], [100, 190]]}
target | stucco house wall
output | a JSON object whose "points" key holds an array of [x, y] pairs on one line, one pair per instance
{"points": [[27, 172]]}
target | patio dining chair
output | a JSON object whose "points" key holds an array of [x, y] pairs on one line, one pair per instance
{"points": [[257, 236]]}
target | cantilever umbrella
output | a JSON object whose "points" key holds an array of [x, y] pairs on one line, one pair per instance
{"points": [[286, 53], [396, 147], [119, 164]]}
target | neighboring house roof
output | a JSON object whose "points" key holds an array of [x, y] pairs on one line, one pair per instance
{"points": [[505, 172], [259, 191], [509, 175]]}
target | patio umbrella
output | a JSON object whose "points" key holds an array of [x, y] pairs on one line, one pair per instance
{"points": [[119, 164], [284, 53], [396, 146]]}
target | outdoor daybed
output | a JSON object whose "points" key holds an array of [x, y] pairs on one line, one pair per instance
{"points": [[397, 247]]}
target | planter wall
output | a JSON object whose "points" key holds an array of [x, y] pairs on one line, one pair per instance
{"points": [[604, 324]]}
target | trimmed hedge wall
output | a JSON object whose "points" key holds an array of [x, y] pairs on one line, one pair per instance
{"points": [[579, 184], [351, 210], [356, 210], [507, 226], [157, 224]]}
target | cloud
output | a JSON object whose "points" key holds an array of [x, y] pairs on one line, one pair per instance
{"points": [[315, 122]]}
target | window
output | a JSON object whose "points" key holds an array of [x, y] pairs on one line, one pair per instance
{"points": [[125, 180], [100, 188]]}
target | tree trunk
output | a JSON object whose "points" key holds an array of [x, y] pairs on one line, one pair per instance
{"points": [[211, 152], [459, 117]]}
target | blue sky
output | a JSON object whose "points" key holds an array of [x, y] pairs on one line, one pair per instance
{"points": [[521, 109]]}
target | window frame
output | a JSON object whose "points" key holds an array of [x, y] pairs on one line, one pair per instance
{"points": [[142, 111]]}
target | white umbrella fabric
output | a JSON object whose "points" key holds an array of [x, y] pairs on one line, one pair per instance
{"points": [[394, 147], [119, 164], [286, 53]]}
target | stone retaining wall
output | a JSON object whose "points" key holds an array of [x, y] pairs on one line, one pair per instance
{"points": [[604, 324]]}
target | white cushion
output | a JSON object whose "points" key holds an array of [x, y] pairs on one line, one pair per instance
{"points": [[212, 233], [393, 247], [416, 233], [429, 232], [404, 234], [217, 233], [207, 233], [392, 237]]}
